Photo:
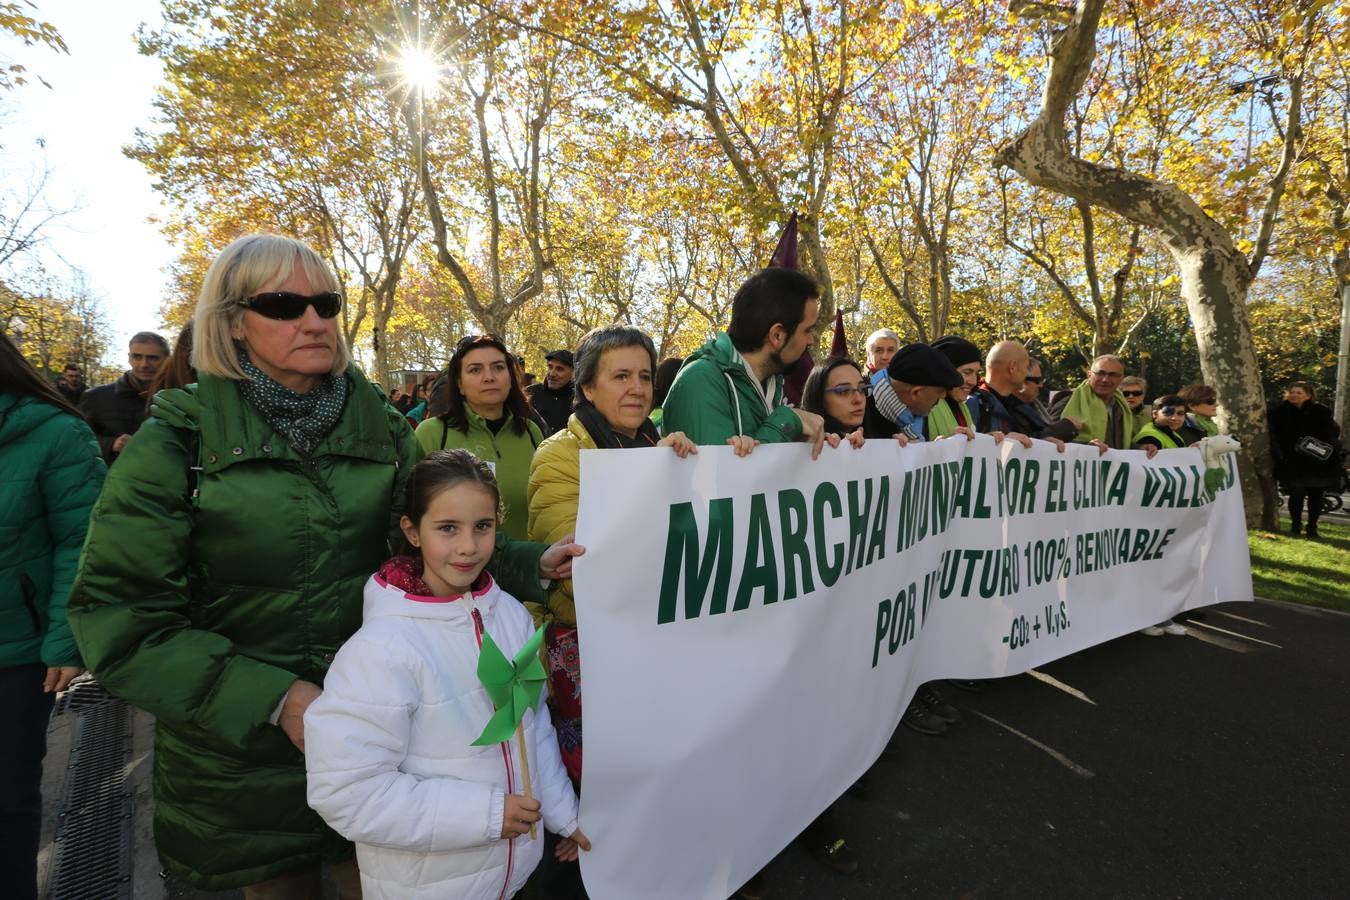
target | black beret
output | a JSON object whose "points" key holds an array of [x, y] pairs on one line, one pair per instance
{"points": [[957, 349], [922, 366]]}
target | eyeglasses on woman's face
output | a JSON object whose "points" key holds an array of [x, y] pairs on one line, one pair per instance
{"points": [[844, 390], [1132, 393]]}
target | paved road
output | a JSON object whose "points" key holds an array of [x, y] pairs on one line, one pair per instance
{"points": [[1212, 765]]}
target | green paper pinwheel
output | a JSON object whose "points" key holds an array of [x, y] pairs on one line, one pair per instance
{"points": [[513, 685]]}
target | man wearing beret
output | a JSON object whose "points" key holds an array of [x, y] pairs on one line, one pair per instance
{"points": [[917, 377]]}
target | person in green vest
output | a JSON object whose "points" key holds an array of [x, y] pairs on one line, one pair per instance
{"points": [[1164, 431], [225, 561], [488, 415]]}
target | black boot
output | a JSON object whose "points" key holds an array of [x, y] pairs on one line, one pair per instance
{"points": [[1312, 529]]}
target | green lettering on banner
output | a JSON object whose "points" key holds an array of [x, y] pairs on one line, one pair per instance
{"points": [[858, 514], [1055, 499], [876, 545], [682, 553], [827, 494], [760, 569], [792, 531]]}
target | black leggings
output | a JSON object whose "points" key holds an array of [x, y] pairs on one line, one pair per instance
{"points": [[1314, 496]]}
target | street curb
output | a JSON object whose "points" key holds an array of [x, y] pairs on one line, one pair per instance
{"points": [[1302, 607]]}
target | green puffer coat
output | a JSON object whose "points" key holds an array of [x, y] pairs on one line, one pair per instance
{"points": [[50, 473], [204, 612]]}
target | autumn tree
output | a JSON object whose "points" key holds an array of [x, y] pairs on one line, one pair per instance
{"points": [[265, 124], [1215, 275]]}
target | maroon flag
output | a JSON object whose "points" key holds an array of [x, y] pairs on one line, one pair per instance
{"points": [[785, 254], [839, 346]]}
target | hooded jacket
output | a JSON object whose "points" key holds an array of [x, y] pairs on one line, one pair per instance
{"points": [[50, 475], [714, 397], [389, 749]]}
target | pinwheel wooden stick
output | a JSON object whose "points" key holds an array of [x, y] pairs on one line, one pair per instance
{"points": [[514, 686], [525, 767]]}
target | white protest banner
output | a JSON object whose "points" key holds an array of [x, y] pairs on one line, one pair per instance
{"points": [[751, 630]]}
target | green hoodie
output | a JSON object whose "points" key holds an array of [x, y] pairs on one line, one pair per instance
{"points": [[50, 473], [204, 608], [715, 397]]}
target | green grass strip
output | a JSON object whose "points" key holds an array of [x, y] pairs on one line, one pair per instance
{"points": [[1294, 568]]}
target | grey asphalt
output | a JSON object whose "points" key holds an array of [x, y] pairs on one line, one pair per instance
{"points": [[1210, 765]]}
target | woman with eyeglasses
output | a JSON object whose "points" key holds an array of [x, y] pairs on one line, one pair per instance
{"points": [[225, 562], [837, 391], [1134, 389], [487, 414]]}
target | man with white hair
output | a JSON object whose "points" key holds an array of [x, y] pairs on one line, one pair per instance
{"points": [[881, 346]]}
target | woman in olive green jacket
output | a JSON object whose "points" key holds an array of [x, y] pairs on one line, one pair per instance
{"points": [[225, 562], [488, 415]]}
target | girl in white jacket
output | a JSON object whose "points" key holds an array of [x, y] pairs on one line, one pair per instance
{"points": [[388, 746]]}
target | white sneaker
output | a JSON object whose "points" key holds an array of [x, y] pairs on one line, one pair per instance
{"points": [[1174, 628], [1151, 631]]}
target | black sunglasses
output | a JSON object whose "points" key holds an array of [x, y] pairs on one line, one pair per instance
{"points": [[1132, 393], [1034, 379], [285, 305]]}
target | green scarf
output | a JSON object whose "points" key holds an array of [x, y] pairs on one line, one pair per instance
{"points": [[302, 419], [1205, 424], [1088, 408], [942, 420]]}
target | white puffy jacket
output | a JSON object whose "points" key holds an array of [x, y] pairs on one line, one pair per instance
{"points": [[388, 750]]}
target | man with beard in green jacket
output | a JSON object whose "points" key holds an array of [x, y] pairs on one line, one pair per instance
{"points": [[730, 390]]}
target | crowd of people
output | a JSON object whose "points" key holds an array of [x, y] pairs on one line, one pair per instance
{"points": [[295, 571]]}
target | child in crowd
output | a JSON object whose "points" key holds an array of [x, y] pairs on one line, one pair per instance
{"points": [[1169, 415], [1165, 430], [388, 746]]}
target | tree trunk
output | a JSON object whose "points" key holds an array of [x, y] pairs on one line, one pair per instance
{"points": [[1341, 266], [1214, 275]]}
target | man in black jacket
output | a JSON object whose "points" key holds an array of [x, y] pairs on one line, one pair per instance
{"points": [[71, 384], [116, 410], [552, 400], [1001, 409]]}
